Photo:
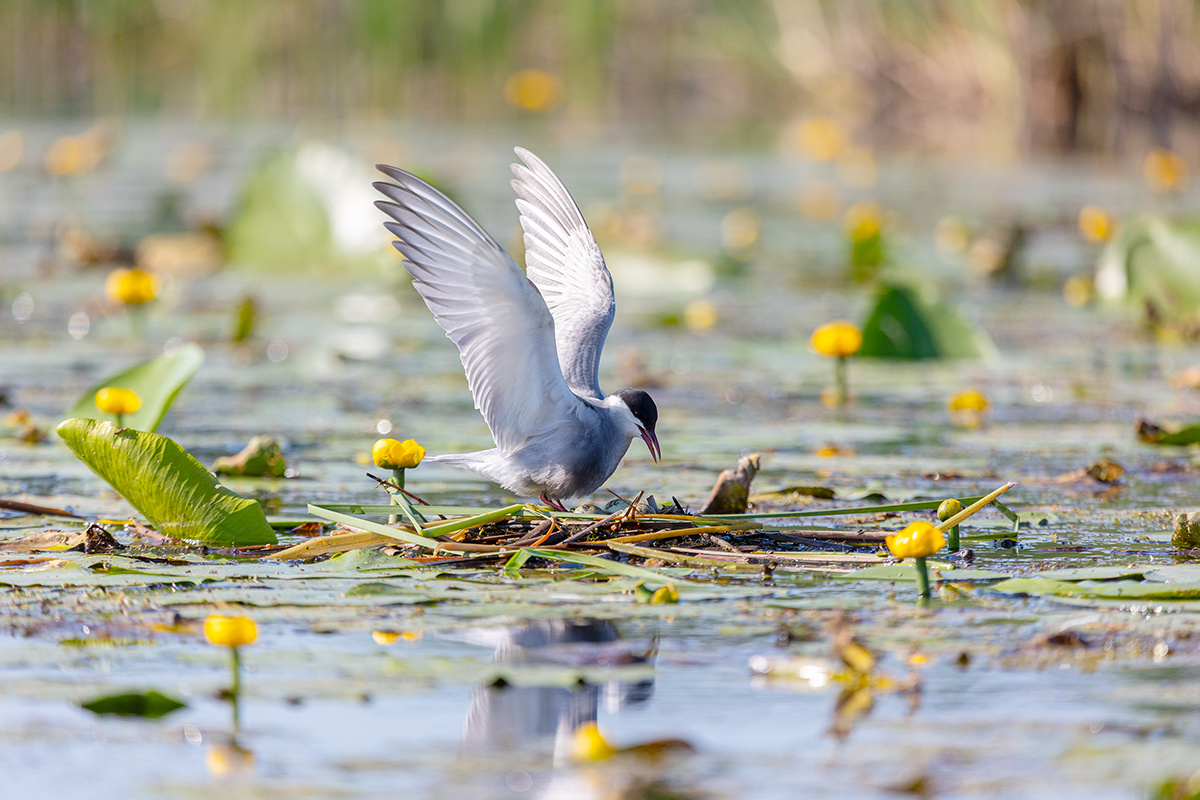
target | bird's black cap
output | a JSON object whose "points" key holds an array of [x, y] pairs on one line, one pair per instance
{"points": [[641, 405]]}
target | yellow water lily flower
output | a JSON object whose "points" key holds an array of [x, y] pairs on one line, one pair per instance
{"points": [[837, 339], [230, 631], [131, 287], [919, 540], [117, 401], [588, 744], [392, 454]]}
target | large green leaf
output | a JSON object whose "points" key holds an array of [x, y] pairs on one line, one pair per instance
{"points": [[156, 382], [162, 481], [903, 325], [308, 207]]}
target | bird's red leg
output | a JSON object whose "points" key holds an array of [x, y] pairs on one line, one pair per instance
{"points": [[557, 506]]}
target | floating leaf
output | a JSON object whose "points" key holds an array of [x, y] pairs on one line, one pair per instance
{"points": [[151, 705], [906, 572], [162, 481], [1095, 573], [156, 382]]}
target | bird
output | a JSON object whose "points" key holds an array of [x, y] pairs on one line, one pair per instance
{"points": [[530, 342]]}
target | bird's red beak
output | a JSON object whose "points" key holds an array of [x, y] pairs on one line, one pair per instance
{"points": [[651, 442]]}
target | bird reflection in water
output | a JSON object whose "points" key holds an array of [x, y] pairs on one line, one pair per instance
{"points": [[505, 716]]}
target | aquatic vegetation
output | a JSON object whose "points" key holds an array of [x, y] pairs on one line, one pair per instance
{"points": [[156, 383], [397, 456], [165, 483], [904, 325], [968, 408], [1165, 170], [838, 340], [118, 402], [233, 632], [917, 541], [131, 286], [945, 511]]}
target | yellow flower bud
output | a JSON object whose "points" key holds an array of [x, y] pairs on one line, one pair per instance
{"points": [[918, 540], [969, 400], [948, 509], [230, 631], [131, 287], [837, 339], [863, 221], [117, 401], [589, 745], [391, 454]]}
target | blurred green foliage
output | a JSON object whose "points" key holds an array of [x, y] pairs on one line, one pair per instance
{"points": [[959, 77]]}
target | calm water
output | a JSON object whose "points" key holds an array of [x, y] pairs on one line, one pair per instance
{"points": [[330, 711]]}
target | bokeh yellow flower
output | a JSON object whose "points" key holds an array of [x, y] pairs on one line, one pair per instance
{"points": [[117, 401], [968, 408], [12, 148], [919, 540], [863, 222], [533, 90], [1165, 170], [970, 400], [392, 454], [819, 139], [664, 595], [701, 315], [1095, 224], [391, 637], [230, 631], [837, 339], [74, 155], [739, 232], [131, 287], [588, 744]]}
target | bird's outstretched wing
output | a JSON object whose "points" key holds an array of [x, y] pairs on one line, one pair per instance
{"points": [[486, 305], [564, 262]]}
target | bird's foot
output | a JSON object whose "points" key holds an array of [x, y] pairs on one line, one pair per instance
{"points": [[557, 506]]}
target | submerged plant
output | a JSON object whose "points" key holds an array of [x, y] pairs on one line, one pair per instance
{"points": [[234, 633], [838, 340], [917, 541]]}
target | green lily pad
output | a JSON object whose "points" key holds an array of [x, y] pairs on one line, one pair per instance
{"points": [[939, 571], [156, 382], [151, 705], [166, 484], [1094, 573]]}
